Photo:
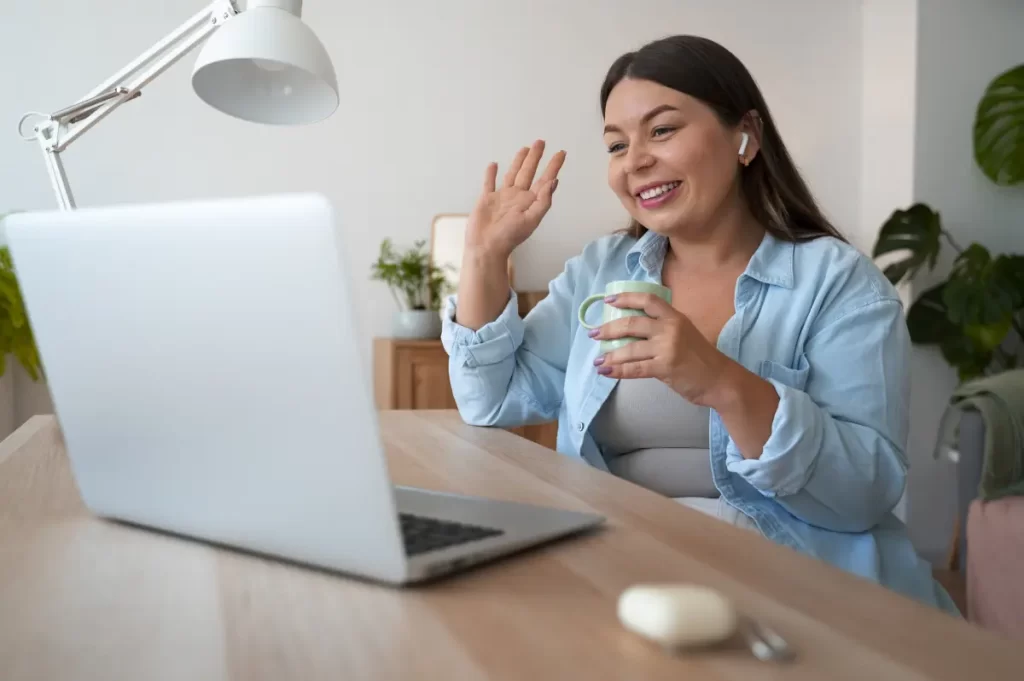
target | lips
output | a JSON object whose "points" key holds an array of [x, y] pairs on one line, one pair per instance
{"points": [[656, 194]]}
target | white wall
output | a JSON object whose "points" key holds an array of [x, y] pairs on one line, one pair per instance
{"points": [[888, 88], [430, 93], [7, 404], [962, 46], [875, 99], [31, 397]]}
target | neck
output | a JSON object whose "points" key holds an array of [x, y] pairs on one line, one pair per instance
{"points": [[729, 239]]}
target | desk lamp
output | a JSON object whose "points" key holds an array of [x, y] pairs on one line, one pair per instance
{"points": [[262, 64]]}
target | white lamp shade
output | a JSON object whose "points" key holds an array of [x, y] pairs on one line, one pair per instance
{"points": [[265, 65]]}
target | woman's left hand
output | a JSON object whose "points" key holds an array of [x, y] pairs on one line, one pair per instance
{"points": [[670, 348]]}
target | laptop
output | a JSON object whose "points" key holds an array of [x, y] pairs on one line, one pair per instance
{"points": [[206, 369]]}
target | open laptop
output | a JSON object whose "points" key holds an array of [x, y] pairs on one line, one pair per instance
{"points": [[206, 370]]}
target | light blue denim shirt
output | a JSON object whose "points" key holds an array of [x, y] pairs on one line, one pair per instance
{"points": [[817, 320]]}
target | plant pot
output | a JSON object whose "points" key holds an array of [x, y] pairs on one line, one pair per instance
{"points": [[423, 324]]}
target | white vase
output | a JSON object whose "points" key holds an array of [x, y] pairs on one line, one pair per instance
{"points": [[421, 324]]}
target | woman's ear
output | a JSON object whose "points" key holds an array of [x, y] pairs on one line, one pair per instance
{"points": [[750, 137]]}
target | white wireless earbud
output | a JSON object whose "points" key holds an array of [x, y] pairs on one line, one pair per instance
{"points": [[743, 144]]}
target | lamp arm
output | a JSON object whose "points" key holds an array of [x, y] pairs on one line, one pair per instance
{"points": [[58, 130]]}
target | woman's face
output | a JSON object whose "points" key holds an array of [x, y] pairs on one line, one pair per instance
{"points": [[672, 162]]}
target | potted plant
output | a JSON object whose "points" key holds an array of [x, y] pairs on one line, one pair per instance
{"points": [[16, 337], [976, 315], [417, 286]]}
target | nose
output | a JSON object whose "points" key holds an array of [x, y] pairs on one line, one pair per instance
{"points": [[637, 158]]}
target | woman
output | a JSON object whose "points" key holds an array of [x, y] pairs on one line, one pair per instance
{"points": [[783, 358]]}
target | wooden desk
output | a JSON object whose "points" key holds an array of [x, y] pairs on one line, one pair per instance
{"points": [[86, 599]]}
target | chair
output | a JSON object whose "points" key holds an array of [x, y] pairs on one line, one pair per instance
{"points": [[990, 542]]}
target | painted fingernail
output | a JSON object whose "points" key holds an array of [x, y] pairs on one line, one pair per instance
{"points": [[604, 371], [593, 333], [610, 299], [599, 361]]}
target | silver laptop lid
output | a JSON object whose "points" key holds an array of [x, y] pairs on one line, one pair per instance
{"points": [[208, 377]]}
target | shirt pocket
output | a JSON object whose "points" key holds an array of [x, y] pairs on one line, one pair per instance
{"points": [[795, 378]]}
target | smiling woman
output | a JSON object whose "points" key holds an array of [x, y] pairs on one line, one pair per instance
{"points": [[771, 392], [726, 111]]}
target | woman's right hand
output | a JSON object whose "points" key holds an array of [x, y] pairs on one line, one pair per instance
{"points": [[504, 217]]}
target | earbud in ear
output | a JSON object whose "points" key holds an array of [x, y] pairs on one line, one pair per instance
{"points": [[743, 144]]}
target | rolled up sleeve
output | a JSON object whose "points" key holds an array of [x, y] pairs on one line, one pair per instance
{"points": [[511, 371], [836, 454], [490, 344]]}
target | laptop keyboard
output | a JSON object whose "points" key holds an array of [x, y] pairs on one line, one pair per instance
{"points": [[423, 534]]}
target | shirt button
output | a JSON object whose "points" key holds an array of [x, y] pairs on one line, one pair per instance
{"points": [[579, 426]]}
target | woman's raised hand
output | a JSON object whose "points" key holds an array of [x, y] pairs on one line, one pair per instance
{"points": [[506, 216]]}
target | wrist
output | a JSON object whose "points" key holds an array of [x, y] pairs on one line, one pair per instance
{"points": [[726, 393], [485, 257]]}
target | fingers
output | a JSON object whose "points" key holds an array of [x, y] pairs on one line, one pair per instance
{"points": [[540, 206], [513, 169], [636, 326], [638, 351], [551, 172], [524, 166], [647, 368], [651, 304], [524, 178], [490, 176]]}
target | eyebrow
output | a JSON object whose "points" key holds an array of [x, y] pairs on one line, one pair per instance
{"points": [[646, 117]]}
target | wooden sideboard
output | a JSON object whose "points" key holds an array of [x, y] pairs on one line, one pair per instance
{"points": [[413, 374]]}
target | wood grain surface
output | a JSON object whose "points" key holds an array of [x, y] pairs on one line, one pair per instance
{"points": [[85, 599]]}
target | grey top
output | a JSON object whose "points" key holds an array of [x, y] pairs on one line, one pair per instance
{"points": [[653, 437]]}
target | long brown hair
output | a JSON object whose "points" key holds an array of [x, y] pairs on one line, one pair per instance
{"points": [[775, 193]]}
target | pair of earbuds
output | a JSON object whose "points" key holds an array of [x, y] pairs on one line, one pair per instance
{"points": [[743, 144]]}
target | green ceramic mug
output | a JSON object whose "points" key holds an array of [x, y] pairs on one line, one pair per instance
{"points": [[611, 313]]}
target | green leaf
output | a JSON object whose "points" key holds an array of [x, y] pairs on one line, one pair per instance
{"points": [[977, 292], [15, 332], [961, 352], [927, 319], [1009, 272], [917, 230], [999, 128], [414, 281], [896, 271], [988, 337]]}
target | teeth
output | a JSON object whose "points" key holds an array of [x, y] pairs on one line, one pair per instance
{"points": [[648, 194]]}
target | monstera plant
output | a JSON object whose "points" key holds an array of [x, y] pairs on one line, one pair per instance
{"points": [[15, 333], [975, 316], [999, 129]]}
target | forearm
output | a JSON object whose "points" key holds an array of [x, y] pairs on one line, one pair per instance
{"points": [[835, 450], [834, 474], [508, 373], [826, 471], [483, 288], [746, 404]]}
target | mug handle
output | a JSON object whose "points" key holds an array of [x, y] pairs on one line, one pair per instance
{"points": [[585, 305]]}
